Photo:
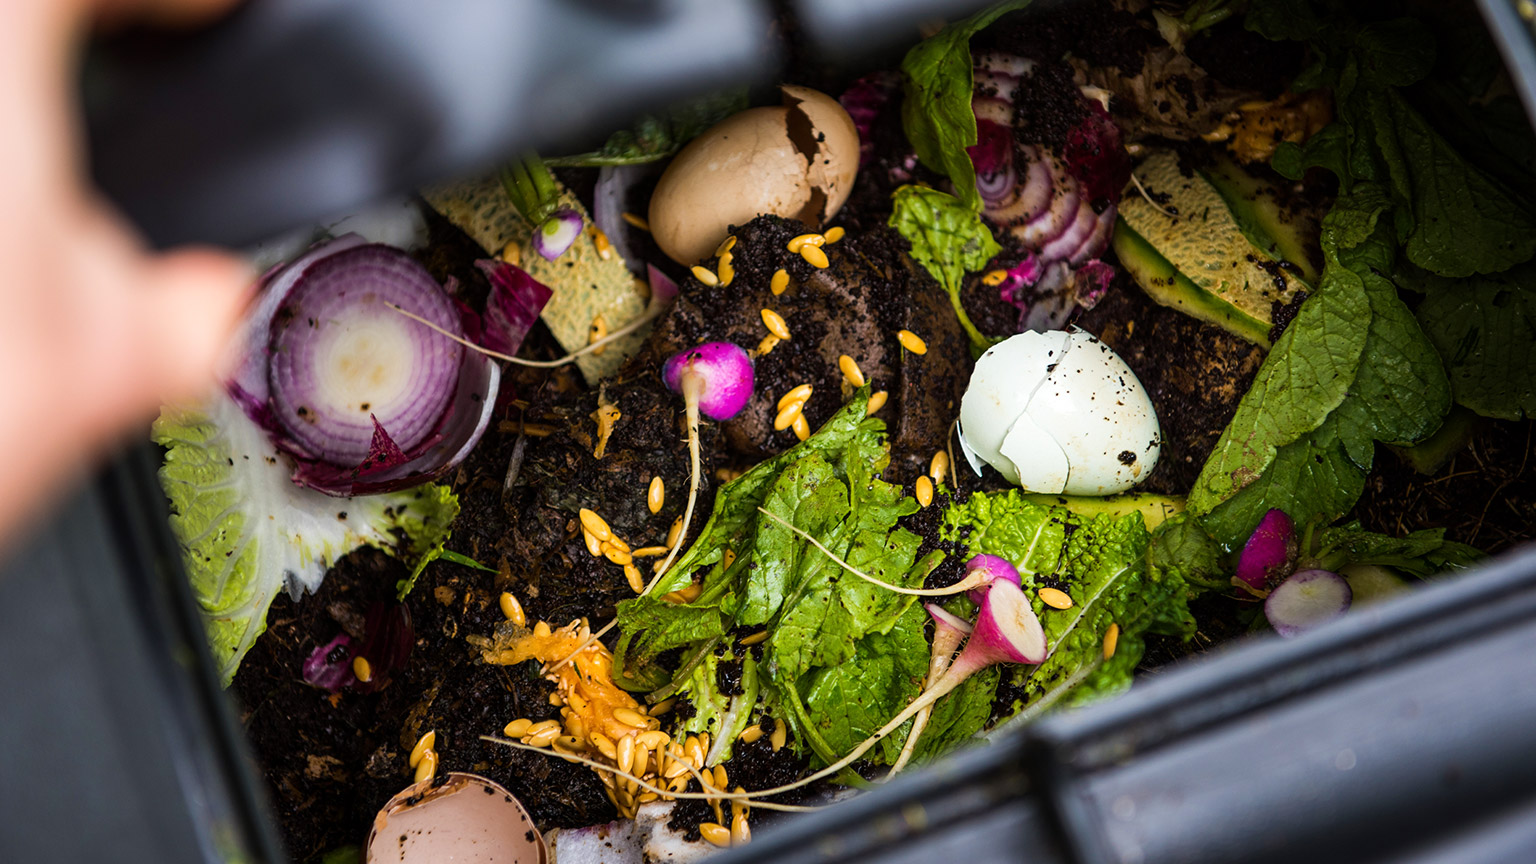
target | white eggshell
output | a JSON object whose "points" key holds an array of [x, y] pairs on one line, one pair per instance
{"points": [[1004, 381], [466, 818], [1093, 406], [1038, 461], [1059, 412]]}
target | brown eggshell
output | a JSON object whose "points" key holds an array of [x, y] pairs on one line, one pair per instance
{"points": [[797, 160], [466, 818]]}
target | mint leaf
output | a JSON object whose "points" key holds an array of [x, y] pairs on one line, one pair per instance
{"points": [[936, 113], [1485, 328], [948, 239]]}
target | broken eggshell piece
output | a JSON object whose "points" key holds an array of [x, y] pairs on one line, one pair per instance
{"points": [[465, 818], [1059, 412], [797, 160]]}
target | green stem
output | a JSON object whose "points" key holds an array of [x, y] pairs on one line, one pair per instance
{"points": [[980, 342]]}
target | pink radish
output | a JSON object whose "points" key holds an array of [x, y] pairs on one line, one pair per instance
{"points": [[1269, 554], [948, 632], [1308, 598], [992, 569]]}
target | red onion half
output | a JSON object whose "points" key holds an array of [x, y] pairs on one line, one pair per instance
{"points": [[364, 399]]}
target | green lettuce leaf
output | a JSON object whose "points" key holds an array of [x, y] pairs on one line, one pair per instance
{"points": [[247, 531], [948, 239], [657, 136], [1101, 562], [1485, 328], [936, 113]]}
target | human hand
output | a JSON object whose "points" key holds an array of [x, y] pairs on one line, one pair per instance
{"points": [[96, 330]]}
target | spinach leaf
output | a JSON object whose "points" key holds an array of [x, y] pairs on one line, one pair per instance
{"points": [[1421, 553], [948, 239], [1485, 328], [936, 113]]}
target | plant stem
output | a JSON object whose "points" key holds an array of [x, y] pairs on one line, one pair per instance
{"points": [[980, 342]]}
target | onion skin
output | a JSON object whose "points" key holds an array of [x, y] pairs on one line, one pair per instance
{"points": [[1059, 206], [726, 370], [513, 306], [1270, 553], [385, 461]]}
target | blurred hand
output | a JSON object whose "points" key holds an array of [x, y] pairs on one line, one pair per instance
{"points": [[96, 331]]}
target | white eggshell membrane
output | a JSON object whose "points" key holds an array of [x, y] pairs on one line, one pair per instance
{"points": [[1059, 412], [467, 818]]}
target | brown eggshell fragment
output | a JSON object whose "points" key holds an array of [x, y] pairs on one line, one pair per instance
{"points": [[466, 818], [797, 160]]}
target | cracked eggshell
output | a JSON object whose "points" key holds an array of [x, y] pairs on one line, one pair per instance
{"points": [[1060, 412], [465, 818], [797, 160]]}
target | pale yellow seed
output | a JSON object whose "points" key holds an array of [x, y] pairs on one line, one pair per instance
{"points": [[543, 738], [692, 592], [1111, 639], [815, 257], [423, 744], [618, 544], [541, 629], [738, 807], [512, 609], [512, 253], [694, 750], [938, 466], [556, 700], [775, 323], [726, 245], [635, 221], [604, 248], [653, 740], [780, 735], [851, 371], [876, 401], [705, 275], [750, 734], [674, 531], [517, 728], [633, 576], [834, 234], [799, 243], [759, 636], [626, 753], [678, 783], [779, 282], [787, 416], [574, 725], [722, 780], [741, 833], [727, 560], [362, 669], [594, 545], [656, 495], [594, 523], [726, 271], [649, 551], [618, 556], [596, 332], [629, 717], [663, 706], [570, 743], [543, 726], [427, 766], [646, 797], [576, 701], [912, 342], [796, 394], [715, 834], [703, 745], [802, 429], [769, 343], [642, 761], [676, 769], [1055, 598], [924, 491], [604, 745], [994, 278]]}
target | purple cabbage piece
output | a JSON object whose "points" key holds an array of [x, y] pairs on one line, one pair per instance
{"points": [[513, 307]]}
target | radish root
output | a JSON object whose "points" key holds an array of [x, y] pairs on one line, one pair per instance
{"points": [[644, 318], [973, 580]]}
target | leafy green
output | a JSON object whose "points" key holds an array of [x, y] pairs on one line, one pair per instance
{"points": [[247, 530], [936, 113], [1485, 328], [948, 239], [1181, 546], [1421, 553], [404, 587], [1102, 564], [657, 136]]}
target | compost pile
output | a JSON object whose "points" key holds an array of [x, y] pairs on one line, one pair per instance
{"points": [[1108, 133]]}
